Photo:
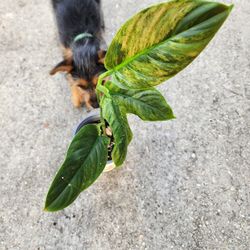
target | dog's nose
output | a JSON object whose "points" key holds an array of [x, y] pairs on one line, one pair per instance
{"points": [[94, 101]]}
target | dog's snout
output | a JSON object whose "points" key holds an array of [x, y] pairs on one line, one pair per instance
{"points": [[93, 100]]}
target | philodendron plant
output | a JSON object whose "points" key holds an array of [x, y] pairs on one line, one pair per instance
{"points": [[150, 48]]}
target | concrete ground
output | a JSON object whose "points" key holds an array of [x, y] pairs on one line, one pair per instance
{"points": [[185, 184]]}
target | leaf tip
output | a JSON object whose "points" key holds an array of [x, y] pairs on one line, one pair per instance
{"points": [[171, 116], [45, 209], [49, 210], [229, 8]]}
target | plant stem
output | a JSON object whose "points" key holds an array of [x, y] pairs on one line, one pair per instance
{"points": [[104, 75], [101, 90], [103, 124]]}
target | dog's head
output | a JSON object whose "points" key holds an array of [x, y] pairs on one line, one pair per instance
{"points": [[84, 62]]}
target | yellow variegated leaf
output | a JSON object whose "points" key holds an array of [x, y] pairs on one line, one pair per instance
{"points": [[160, 41], [148, 104], [118, 122]]}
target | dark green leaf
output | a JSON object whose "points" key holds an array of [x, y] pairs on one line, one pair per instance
{"points": [[85, 161], [118, 122], [148, 104], [160, 41]]}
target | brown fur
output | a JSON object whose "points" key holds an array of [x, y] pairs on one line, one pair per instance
{"points": [[64, 66], [101, 56], [67, 53], [80, 96], [81, 92], [81, 89]]}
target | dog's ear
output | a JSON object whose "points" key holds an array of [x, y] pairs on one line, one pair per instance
{"points": [[64, 66], [101, 56]]}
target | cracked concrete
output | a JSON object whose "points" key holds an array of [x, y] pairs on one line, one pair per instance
{"points": [[185, 184]]}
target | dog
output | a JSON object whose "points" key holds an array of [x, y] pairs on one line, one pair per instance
{"points": [[81, 27]]}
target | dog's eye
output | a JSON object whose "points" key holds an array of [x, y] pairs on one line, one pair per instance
{"points": [[74, 75], [82, 87]]}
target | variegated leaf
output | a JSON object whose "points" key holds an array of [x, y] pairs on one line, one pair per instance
{"points": [[160, 41], [118, 122], [86, 159], [148, 104]]}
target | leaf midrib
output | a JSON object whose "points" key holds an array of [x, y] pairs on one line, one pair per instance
{"points": [[120, 117], [129, 97], [147, 50]]}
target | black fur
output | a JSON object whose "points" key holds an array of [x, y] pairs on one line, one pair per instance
{"points": [[73, 18]]}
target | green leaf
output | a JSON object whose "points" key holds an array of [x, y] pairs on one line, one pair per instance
{"points": [[85, 161], [148, 104], [162, 40], [117, 120]]}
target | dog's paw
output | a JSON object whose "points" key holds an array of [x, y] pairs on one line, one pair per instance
{"points": [[89, 108]]}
